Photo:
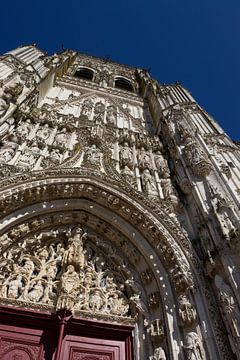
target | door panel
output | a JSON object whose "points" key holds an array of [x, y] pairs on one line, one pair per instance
{"points": [[82, 348], [17, 344]]}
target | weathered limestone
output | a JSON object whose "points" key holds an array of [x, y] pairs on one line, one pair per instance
{"points": [[119, 201]]}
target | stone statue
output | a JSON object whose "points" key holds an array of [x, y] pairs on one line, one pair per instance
{"points": [[61, 138], [43, 132], [159, 354], [92, 156], [15, 287], [161, 165], [111, 115], [187, 313], [144, 160], [36, 292], [149, 185], [126, 156], [96, 300], [86, 108], [68, 289], [193, 347], [74, 254], [6, 154], [24, 128]]}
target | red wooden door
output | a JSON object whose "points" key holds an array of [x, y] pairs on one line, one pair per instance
{"points": [[83, 348], [30, 335], [20, 344]]}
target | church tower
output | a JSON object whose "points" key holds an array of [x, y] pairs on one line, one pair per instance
{"points": [[120, 222]]}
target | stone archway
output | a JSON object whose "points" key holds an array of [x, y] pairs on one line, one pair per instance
{"points": [[146, 242]]}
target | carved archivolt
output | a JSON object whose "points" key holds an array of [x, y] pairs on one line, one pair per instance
{"points": [[149, 225]]}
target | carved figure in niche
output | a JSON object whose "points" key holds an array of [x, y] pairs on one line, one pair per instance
{"points": [[104, 77], [159, 354], [74, 254], [182, 128], [144, 160], [187, 313], [161, 165], [148, 183], [87, 108], [99, 110], [28, 268], [126, 172], [36, 292], [224, 211], [229, 307], [96, 300], [24, 129], [110, 284], [51, 270], [92, 156], [69, 287], [35, 149], [156, 330], [61, 138], [55, 156], [43, 132], [6, 154], [111, 115], [167, 188], [15, 287], [193, 347], [126, 156], [117, 305], [97, 129]]}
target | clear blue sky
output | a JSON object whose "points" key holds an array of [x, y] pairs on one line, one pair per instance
{"points": [[194, 42]]}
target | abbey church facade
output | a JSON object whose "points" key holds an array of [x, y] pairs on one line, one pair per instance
{"points": [[120, 221]]}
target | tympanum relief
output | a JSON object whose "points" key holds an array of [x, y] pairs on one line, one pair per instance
{"points": [[64, 268]]}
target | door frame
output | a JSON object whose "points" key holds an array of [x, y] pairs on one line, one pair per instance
{"points": [[46, 322]]}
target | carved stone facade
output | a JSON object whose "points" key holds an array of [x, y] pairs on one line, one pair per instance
{"points": [[119, 202]]}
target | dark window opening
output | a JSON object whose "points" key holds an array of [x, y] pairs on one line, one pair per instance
{"points": [[123, 84], [84, 73]]}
